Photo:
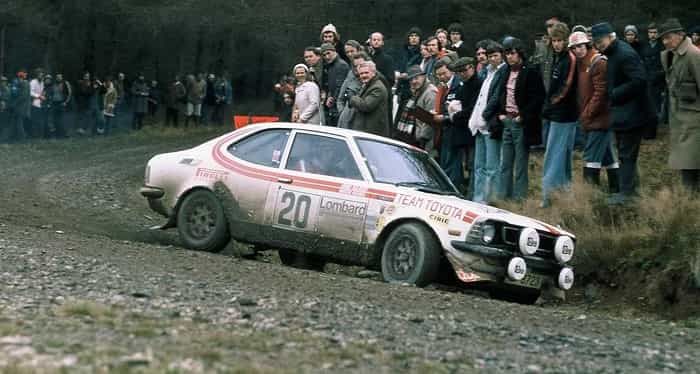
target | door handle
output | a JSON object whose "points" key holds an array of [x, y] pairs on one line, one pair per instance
{"points": [[285, 180]]}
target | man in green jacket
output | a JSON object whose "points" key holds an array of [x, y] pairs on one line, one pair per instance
{"points": [[371, 105]]}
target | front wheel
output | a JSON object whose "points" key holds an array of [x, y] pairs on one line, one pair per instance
{"points": [[411, 255], [201, 222]]}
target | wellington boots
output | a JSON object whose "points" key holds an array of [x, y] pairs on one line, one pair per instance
{"points": [[613, 181]]}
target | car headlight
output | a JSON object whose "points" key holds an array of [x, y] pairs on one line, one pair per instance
{"points": [[565, 280], [529, 241], [564, 249], [517, 268], [488, 232]]}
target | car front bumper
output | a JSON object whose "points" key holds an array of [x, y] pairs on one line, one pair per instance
{"points": [[537, 264], [156, 200]]}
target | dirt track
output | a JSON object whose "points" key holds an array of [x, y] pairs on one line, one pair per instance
{"points": [[86, 285]]}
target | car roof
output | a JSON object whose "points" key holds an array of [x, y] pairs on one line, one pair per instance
{"points": [[328, 130]]}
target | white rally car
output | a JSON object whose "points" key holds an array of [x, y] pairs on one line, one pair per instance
{"points": [[350, 197]]}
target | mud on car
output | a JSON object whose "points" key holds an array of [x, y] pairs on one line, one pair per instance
{"points": [[321, 194]]}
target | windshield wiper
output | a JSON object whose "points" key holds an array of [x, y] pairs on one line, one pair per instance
{"points": [[425, 187]]}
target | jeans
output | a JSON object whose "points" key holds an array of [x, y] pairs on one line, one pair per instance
{"points": [[514, 158], [545, 131], [487, 156], [558, 157], [451, 162], [598, 152], [58, 113], [628, 150], [580, 139]]}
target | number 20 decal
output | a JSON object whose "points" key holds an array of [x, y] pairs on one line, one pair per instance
{"points": [[296, 210]]}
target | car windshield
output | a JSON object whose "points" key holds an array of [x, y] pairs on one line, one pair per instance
{"points": [[402, 166]]}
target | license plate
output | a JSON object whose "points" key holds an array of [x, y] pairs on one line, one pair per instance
{"points": [[530, 281]]}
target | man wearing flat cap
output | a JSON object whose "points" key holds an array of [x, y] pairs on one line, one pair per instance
{"points": [[630, 109], [681, 62]]}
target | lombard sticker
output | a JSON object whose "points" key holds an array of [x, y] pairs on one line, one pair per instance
{"points": [[430, 205], [343, 208], [439, 219], [211, 174]]}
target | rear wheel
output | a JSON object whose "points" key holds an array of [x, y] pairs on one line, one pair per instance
{"points": [[201, 222], [412, 255]]}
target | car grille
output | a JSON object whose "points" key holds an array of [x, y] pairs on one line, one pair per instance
{"points": [[507, 238]]}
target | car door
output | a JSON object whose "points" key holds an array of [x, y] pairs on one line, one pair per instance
{"points": [[255, 162], [321, 204]]}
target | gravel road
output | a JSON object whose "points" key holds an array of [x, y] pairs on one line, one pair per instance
{"points": [[87, 287]]}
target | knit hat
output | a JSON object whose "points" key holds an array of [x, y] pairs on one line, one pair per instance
{"points": [[330, 27], [632, 28], [306, 68], [578, 38], [671, 25], [414, 30], [576, 28], [560, 31]]}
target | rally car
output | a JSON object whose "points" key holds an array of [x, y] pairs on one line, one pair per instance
{"points": [[353, 198]]}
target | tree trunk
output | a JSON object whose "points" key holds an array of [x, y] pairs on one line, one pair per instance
{"points": [[3, 30]]}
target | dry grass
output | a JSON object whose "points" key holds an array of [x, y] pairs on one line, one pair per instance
{"points": [[655, 238]]}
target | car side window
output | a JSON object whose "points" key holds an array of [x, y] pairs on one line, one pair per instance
{"points": [[322, 155], [262, 148]]}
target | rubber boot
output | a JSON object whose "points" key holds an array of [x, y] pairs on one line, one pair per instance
{"points": [[591, 175], [613, 181]]}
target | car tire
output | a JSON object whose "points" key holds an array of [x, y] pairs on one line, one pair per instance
{"points": [[411, 255], [201, 222], [298, 260], [520, 296]]}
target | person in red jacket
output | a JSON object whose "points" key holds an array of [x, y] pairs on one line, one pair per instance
{"points": [[594, 110]]}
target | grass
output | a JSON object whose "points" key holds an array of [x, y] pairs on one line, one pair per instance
{"points": [[650, 245]]}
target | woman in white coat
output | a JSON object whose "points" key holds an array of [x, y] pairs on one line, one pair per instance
{"points": [[307, 97]]}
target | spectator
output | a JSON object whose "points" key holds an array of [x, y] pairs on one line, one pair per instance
{"points": [[594, 110], [682, 66], [221, 92], [560, 110], [630, 112], [695, 35], [631, 37], [409, 128], [84, 98], [452, 136], [335, 71], [351, 87], [408, 55], [155, 97], [425, 55], [482, 60], [544, 57], [444, 38], [650, 52], [196, 89], [521, 96], [383, 61], [456, 31], [306, 97], [124, 101], [371, 105], [209, 103], [5, 118], [175, 97], [38, 111], [437, 52], [140, 92], [312, 59], [487, 149], [329, 34], [465, 67], [59, 96], [21, 107], [110, 99], [352, 47], [287, 107]]}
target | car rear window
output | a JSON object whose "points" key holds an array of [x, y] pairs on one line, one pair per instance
{"points": [[263, 148]]}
